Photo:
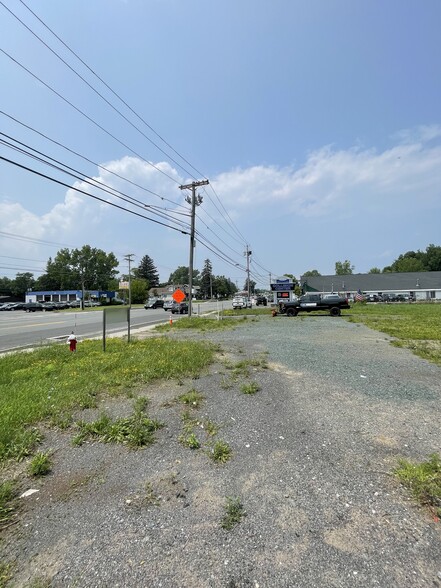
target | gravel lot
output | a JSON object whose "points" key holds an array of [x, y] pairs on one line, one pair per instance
{"points": [[313, 452]]}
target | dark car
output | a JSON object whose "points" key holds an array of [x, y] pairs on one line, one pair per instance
{"points": [[261, 300], [154, 303], [48, 305], [32, 306], [179, 308]]}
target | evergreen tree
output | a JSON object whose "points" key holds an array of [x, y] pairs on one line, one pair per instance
{"points": [[147, 271], [206, 281]]}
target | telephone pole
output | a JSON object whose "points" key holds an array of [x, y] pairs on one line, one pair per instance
{"points": [[194, 201], [128, 258], [248, 253]]}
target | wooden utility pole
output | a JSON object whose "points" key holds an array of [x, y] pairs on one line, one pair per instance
{"points": [[129, 258], [194, 201], [248, 253]]}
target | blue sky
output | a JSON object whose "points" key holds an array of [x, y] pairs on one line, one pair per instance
{"points": [[317, 123]]}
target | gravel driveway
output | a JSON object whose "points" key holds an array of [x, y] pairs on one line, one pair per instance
{"points": [[313, 452]]}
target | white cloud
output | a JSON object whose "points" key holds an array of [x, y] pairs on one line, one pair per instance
{"points": [[335, 180], [331, 185]]}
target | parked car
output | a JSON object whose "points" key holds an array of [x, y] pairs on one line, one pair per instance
{"points": [[47, 305], [179, 308], [61, 305], [33, 306], [154, 303], [13, 306]]}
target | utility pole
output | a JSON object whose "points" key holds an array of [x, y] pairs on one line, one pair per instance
{"points": [[194, 201], [248, 253], [128, 258]]}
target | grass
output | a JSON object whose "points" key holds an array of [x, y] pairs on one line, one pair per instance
{"points": [[199, 324], [250, 388], [5, 574], [8, 495], [220, 451], [40, 464], [414, 326], [190, 441], [266, 310], [192, 398], [48, 384], [136, 430], [423, 480], [234, 513]]}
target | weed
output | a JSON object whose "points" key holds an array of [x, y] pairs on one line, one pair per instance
{"points": [[134, 431], [225, 383], [140, 404], [192, 398], [220, 451], [250, 388], [234, 512], [40, 465], [5, 574], [188, 421], [150, 496], [7, 497], [424, 480], [211, 428], [190, 441]]}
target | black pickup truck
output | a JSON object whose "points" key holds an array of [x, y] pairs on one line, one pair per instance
{"points": [[312, 302]]}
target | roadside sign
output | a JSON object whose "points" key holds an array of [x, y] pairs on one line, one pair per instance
{"points": [[178, 295]]}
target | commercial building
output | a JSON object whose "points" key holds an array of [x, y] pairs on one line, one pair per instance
{"points": [[422, 286]]}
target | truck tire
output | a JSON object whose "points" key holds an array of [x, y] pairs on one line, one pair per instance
{"points": [[335, 311], [291, 312]]}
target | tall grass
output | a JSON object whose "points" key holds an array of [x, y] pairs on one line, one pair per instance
{"points": [[50, 382]]}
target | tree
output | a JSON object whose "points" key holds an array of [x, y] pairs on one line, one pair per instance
{"points": [[5, 286], [374, 270], [409, 262], [22, 283], [87, 267], [180, 276], [223, 287], [206, 281], [433, 258], [311, 274], [252, 286], [147, 271], [138, 290], [343, 268]]}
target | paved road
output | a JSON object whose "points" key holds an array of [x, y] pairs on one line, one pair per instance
{"points": [[21, 329]]}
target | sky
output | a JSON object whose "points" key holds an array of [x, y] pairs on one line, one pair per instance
{"points": [[317, 125]]}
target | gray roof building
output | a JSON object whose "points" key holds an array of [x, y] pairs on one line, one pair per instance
{"points": [[428, 284]]}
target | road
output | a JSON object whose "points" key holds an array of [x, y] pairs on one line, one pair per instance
{"points": [[21, 329]]}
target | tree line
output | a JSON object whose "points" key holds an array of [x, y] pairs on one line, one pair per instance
{"points": [[90, 268], [412, 261]]}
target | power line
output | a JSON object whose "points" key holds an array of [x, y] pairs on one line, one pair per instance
{"points": [[113, 92], [86, 179], [86, 159], [90, 195], [91, 87], [87, 116]]}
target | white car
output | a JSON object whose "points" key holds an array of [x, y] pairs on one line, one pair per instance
{"points": [[241, 302]]}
